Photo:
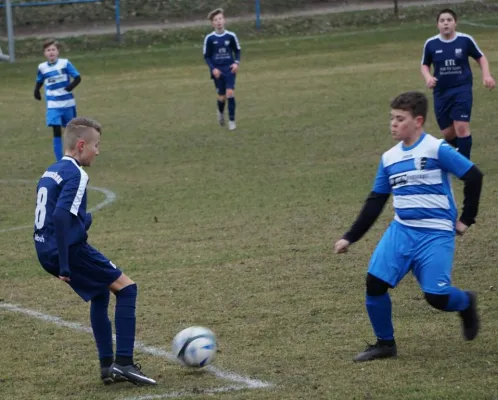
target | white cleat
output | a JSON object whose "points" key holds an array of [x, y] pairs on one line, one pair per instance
{"points": [[231, 125], [221, 118]]}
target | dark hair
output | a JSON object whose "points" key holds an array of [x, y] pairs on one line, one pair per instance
{"points": [[414, 102], [447, 11], [50, 42], [214, 13]]}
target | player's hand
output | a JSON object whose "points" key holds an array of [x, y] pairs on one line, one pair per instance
{"points": [[460, 228], [431, 82], [216, 73], [68, 89], [65, 278], [489, 82], [234, 68], [37, 94], [341, 246]]}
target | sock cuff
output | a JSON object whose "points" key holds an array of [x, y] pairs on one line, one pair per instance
{"points": [[128, 291]]}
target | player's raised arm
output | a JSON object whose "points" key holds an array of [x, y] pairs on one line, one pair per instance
{"points": [[466, 170], [371, 210]]}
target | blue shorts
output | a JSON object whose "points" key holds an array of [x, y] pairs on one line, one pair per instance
{"points": [[225, 81], [91, 272], [427, 253], [453, 106], [60, 116]]}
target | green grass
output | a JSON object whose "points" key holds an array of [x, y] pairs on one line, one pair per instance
{"points": [[235, 230]]}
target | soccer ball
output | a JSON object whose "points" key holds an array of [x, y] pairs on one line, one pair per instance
{"points": [[195, 346]]}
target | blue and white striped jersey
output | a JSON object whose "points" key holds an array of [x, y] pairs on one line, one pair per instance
{"points": [[418, 177], [55, 77], [63, 185]]}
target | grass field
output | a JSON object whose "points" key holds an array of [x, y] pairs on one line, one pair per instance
{"points": [[234, 230]]}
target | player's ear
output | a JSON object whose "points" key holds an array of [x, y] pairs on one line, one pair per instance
{"points": [[420, 121], [80, 144]]}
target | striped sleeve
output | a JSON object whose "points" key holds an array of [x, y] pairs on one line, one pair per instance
{"points": [[73, 191]]}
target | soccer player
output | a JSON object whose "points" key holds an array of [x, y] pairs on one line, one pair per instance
{"points": [[422, 236], [222, 55], [56, 74], [60, 236], [452, 81]]}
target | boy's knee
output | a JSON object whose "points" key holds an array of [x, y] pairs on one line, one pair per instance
{"points": [[222, 97], [438, 301], [376, 286], [462, 129], [230, 93]]}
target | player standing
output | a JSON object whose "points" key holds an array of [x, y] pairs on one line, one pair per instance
{"points": [[422, 236], [60, 236], [56, 74], [222, 55], [452, 81]]}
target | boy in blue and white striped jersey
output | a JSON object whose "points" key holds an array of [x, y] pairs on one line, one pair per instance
{"points": [[56, 74], [421, 238]]}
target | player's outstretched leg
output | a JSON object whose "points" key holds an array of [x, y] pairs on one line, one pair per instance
{"points": [[125, 321], [379, 307], [454, 299], [221, 109]]}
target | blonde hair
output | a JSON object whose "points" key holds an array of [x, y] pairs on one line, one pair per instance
{"points": [[77, 129], [214, 13]]}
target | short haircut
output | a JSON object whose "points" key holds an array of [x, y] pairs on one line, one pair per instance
{"points": [[77, 128], [214, 13], [50, 42], [414, 102], [447, 11]]}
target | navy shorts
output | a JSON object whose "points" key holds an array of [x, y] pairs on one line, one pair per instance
{"points": [[60, 116], [427, 253], [225, 81], [91, 272], [453, 106]]}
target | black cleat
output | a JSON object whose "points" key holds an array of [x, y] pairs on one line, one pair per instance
{"points": [[470, 319], [130, 373], [106, 376], [376, 351]]}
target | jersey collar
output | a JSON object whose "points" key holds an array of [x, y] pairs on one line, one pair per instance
{"points": [[405, 148], [73, 160]]}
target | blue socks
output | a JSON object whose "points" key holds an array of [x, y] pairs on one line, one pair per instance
{"points": [[125, 321], [231, 108], [57, 144], [464, 145], [379, 310], [102, 329], [459, 300]]}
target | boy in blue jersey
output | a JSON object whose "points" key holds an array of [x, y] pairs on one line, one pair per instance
{"points": [[60, 236], [222, 55], [449, 52], [55, 74], [422, 236]]}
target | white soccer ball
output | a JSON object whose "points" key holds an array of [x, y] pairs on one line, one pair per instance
{"points": [[195, 346]]}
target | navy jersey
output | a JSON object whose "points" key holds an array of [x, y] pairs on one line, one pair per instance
{"points": [[63, 185], [221, 49], [451, 61], [418, 177]]}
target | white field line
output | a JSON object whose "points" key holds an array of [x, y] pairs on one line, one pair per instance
{"points": [[248, 383], [110, 197], [176, 395]]}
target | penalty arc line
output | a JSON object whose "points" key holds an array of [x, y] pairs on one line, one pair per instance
{"points": [[110, 197], [248, 383]]}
